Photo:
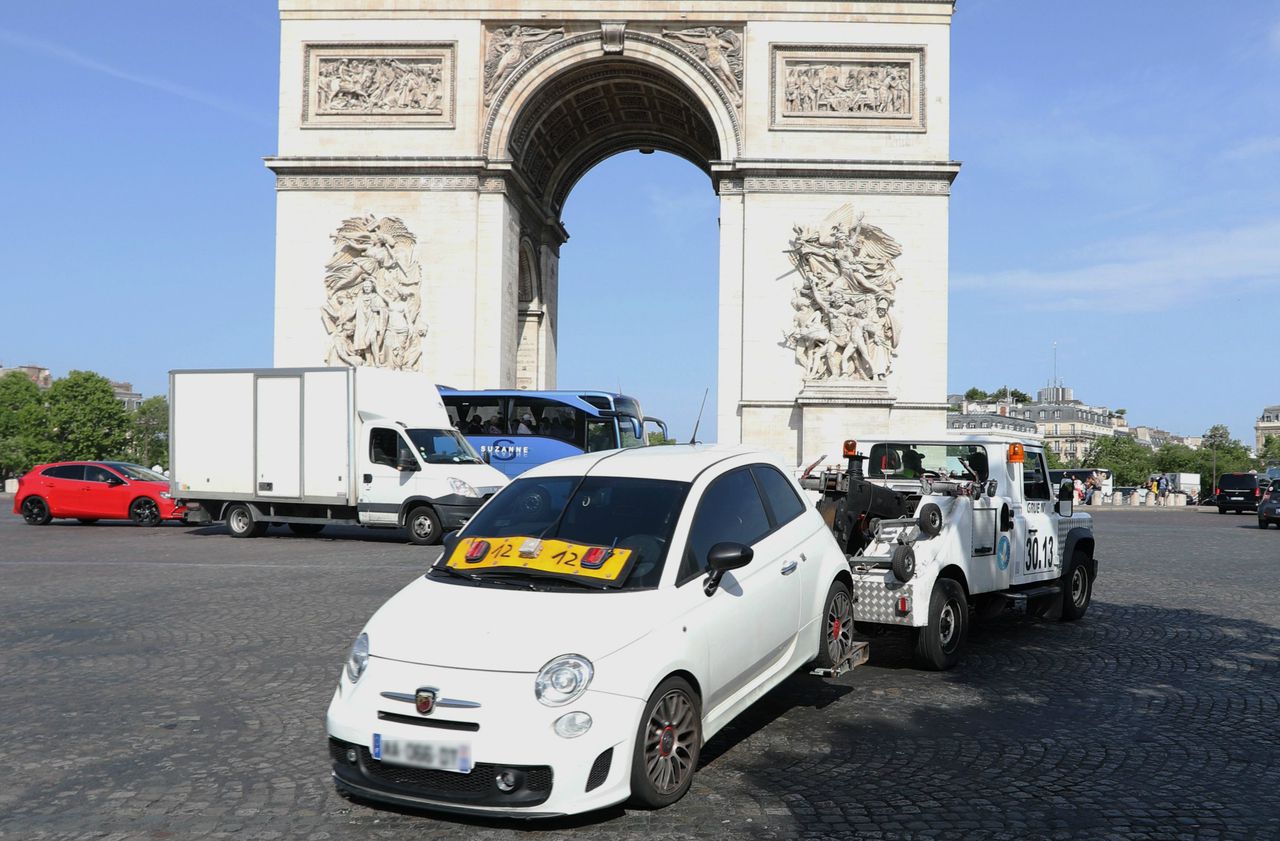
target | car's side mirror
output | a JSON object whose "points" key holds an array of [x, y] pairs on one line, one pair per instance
{"points": [[114, 480], [722, 558], [1066, 491], [406, 463]]}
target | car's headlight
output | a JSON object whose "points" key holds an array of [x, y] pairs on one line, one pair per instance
{"points": [[462, 488], [358, 659], [166, 495], [563, 679]]}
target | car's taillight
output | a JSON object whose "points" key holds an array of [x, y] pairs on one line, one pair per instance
{"points": [[1216, 491], [1257, 491]]}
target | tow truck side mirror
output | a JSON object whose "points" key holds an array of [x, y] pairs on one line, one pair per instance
{"points": [[1066, 498]]}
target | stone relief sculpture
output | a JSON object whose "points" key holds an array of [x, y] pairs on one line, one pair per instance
{"points": [[848, 88], [348, 85], [508, 48], [719, 48], [373, 296], [844, 326]]}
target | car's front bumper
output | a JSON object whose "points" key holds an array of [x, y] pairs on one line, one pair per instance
{"points": [[510, 730]]}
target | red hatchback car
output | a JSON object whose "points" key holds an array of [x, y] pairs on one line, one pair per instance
{"points": [[95, 490]]}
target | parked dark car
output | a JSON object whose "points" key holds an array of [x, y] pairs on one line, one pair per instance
{"points": [[1269, 506], [1238, 492]]}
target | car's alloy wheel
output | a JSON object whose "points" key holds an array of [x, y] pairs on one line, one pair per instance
{"points": [[670, 745], [35, 512], [839, 626], [145, 512]]}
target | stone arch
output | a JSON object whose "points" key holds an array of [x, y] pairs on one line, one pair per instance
{"points": [[648, 95]]}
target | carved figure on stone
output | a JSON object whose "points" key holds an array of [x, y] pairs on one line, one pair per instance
{"points": [[720, 49], [508, 48], [843, 326], [380, 86], [880, 88], [373, 296]]}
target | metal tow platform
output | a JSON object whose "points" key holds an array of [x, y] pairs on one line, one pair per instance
{"points": [[859, 653]]}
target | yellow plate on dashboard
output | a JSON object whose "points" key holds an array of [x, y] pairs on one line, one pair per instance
{"points": [[554, 557]]}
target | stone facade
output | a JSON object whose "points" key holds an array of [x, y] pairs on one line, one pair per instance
{"points": [[1268, 423], [825, 135]]}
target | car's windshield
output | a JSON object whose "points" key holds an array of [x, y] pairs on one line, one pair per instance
{"points": [[622, 513], [443, 446], [1237, 481], [136, 472], [911, 461]]}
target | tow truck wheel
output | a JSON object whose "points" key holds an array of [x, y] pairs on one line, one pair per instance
{"points": [[1077, 588], [938, 644], [668, 744], [240, 521], [903, 563], [930, 519], [837, 626], [424, 526]]}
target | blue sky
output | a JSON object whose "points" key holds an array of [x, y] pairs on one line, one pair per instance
{"points": [[1120, 195]]}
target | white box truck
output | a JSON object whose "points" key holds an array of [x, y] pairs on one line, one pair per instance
{"points": [[309, 447]]}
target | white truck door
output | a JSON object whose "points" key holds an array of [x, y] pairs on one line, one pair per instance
{"points": [[383, 485], [278, 447], [1035, 542]]}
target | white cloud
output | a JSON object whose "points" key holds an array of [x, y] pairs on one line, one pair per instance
{"points": [[69, 56], [1147, 274]]}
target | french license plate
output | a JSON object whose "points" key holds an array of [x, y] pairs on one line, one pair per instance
{"points": [[439, 756], [1237, 499]]}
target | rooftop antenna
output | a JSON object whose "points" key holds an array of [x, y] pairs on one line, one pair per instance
{"points": [[1055, 365], [693, 439]]}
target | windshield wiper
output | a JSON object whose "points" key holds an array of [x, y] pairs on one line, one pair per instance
{"points": [[480, 576]]}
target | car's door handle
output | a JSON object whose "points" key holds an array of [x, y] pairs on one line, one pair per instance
{"points": [[789, 567]]}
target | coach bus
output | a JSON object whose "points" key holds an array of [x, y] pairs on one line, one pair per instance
{"points": [[515, 430]]}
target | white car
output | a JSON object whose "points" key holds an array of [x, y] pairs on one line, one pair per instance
{"points": [[593, 624]]}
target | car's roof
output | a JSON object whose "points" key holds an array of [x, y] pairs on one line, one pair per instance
{"points": [[674, 462]]}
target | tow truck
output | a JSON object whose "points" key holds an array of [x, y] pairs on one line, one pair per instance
{"points": [[939, 532]]}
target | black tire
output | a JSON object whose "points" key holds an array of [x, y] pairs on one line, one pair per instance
{"points": [[240, 521], [837, 626], [424, 526], [1222, 510], [1077, 588], [306, 529], [930, 519], [903, 563], [1262, 524], [35, 511], [668, 744], [938, 644], [86, 521], [144, 511]]}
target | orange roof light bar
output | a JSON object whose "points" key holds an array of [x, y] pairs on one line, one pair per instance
{"points": [[850, 448], [1017, 455]]}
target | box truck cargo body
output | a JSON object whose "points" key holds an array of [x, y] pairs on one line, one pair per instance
{"points": [[313, 446]]}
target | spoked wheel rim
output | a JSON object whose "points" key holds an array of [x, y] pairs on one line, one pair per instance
{"points": [[839, 626], [146, 512], [239, 520], [422, 528], [33, 510], [949, 626], [671, 737], [1079, 586]]}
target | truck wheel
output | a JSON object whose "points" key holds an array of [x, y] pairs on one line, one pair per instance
{"points": [[240, 521], [930, 519], [938, 644], [903, 563], [837, 626], [35, 511], [668, 743], [424, 526], [1077, 588], [306, 529]]}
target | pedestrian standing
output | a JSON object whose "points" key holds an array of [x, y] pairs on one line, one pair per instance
{"points": [[1163, 488]]}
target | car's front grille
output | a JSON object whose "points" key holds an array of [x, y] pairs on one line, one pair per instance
{"points": [[418, 721], [600, 770]]}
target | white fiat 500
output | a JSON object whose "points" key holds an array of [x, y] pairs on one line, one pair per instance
{"points": [[593, 624]]}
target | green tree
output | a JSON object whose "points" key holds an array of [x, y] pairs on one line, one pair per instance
{"points": [[149, 442], [1270, 451], [24, 425], [1055, 460], [88, 421], [1019, 396], [976, 395], [655, 436], [1218, 437], [1001, 393], [1131, 462]]}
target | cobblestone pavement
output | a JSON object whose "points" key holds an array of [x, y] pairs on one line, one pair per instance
{"points": [[172, 682]]}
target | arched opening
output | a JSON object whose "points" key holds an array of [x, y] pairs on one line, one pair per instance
{"points": [[658, 282]]}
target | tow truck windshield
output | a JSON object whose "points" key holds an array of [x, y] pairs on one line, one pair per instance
{"points": [[913, 461]]}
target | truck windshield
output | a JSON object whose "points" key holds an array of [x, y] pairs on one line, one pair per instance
{"points": [[442, 446], [635, 514], [911, 461]]}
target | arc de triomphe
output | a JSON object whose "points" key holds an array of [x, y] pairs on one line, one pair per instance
{"points": [[427, 147]]}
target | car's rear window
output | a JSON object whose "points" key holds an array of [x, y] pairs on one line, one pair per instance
{"points": [[1237, 482]]}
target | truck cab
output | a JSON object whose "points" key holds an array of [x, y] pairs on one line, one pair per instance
{"points": [[940, 531]]}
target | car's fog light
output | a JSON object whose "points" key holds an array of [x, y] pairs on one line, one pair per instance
{"points": [[572, 725], [352, 756], [506, 780]]}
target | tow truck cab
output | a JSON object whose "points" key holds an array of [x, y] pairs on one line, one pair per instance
{"points": [[938, 531]]}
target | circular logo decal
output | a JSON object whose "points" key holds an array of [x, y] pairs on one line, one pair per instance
{"points": [[1002, 552]]}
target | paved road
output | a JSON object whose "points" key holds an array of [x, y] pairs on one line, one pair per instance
{"points": [[171, 683]]}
